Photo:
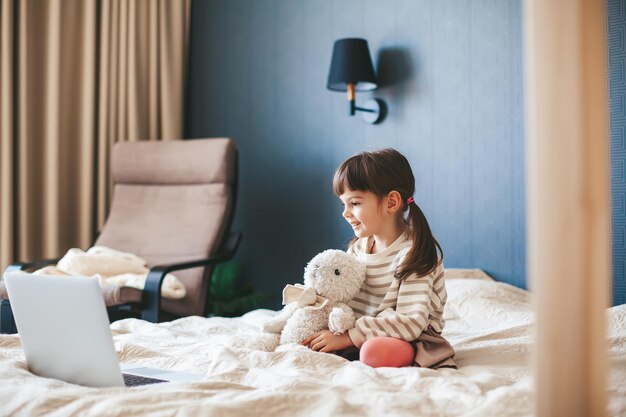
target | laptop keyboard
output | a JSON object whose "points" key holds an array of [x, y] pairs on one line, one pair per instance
{"points": [[135, 380]]}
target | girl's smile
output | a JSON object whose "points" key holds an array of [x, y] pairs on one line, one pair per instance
{"points": [[361, 210], [370, 215]]}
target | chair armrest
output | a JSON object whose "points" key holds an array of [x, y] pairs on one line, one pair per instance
{"points": [[151, 298], [38, 263]]}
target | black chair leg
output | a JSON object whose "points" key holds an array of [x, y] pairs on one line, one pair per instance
{"points": [[7, 323]]}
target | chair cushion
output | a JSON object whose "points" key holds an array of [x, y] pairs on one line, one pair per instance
{"points": [[165, 224], [113, 294], [169, 224], [116, 295], [194, 161]]}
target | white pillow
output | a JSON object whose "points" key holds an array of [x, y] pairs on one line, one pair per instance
{"points": [[459, 273]]}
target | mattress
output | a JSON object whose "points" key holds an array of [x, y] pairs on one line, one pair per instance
{"points": [[490, 325]]}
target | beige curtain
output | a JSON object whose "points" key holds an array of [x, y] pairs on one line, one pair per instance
{"points": [[76, 76]]}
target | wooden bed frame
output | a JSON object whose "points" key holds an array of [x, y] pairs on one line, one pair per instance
{"points": [[568, 202]]}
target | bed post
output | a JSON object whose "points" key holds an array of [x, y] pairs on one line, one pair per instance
{"points": [[568, 202]]}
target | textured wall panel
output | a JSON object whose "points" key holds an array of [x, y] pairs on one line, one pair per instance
{"points": [[616, 26], [451, 73]]}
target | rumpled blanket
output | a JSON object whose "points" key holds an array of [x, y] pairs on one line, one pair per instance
{"points": [[111, 266], [490, 324]]}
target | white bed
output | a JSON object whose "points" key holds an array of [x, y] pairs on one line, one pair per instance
{"points": [[488, 323]]}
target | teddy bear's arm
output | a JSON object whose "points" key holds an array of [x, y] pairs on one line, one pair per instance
{"points": [[341, 318], [277, 323]]}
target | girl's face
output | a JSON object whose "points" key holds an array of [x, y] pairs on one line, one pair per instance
{"points": [[363, 210]]}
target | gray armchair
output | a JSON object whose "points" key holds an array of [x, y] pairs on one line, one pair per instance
{"points": [[173, 205]]}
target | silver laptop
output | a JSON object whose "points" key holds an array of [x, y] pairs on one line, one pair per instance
{"points": [[64, 329]]}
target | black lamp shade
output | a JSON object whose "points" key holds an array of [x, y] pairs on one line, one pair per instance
{"points": [[351, 64]]}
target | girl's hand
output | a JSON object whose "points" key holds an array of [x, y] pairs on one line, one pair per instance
{"points": [[326, 341]]}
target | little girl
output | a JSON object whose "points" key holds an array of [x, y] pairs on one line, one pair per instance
{"points": [[399, 308]]}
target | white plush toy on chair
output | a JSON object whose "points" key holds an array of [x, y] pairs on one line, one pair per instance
{"points": [[331, 279]]}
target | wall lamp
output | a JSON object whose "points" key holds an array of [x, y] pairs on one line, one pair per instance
{"points": [[351, 70]]}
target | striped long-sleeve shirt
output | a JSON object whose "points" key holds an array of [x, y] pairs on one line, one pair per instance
{"points": [[387, 307]]}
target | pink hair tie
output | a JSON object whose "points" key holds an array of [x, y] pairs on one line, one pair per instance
{"points": [[409, 200]]}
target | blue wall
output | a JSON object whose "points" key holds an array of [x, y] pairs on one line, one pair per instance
{"points": [[616, 11], [451, 73]]}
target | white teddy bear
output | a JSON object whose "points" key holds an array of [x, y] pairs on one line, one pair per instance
{"points": [[331, 279]]}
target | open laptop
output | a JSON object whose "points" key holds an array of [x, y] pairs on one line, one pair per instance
{"points": [[64, 329]]}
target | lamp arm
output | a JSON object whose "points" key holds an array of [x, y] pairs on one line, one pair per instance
{"points": [[367, 110], [352, 101]]}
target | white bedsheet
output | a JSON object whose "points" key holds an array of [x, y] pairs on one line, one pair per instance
{"points": [[488, 323]]}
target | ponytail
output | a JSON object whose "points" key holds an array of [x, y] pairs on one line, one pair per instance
{"points": [[422, 258]]}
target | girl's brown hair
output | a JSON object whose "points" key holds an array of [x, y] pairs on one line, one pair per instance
{"points": [[381, 172]]}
